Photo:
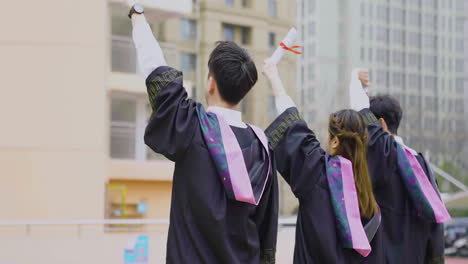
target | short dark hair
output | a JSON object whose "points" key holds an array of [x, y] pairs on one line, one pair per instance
{"points": [[233, 70], [388, 108]]}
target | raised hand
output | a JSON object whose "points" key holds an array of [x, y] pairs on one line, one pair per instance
{"points": [[364, 78]]}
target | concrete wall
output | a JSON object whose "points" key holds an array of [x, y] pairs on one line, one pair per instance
{"points": [[53, 109]]}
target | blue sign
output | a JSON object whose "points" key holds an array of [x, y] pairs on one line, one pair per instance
{"points": [[138, 254]]}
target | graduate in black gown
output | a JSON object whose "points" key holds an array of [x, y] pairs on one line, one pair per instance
{"points": [[338, 219], [412, 227], [224, 206]]}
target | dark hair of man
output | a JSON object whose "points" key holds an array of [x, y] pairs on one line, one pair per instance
{"points": [[388, 108], [233, 70]]}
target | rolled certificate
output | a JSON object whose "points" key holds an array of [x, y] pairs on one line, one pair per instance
{"points": [[288, 41]]}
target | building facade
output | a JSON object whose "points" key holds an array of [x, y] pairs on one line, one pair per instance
{"points": [[414, 50], [72, 111]]}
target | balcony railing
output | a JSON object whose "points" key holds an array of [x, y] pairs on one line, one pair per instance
{"points": [[124, 59]]}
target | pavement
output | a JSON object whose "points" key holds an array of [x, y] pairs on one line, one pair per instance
{"points": [[286, 238]]}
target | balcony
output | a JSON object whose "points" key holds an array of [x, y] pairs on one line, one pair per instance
{"points": [[124, 58], [158, 10]]}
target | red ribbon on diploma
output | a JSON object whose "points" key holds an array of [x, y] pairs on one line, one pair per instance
{"points": [[291, 49]]}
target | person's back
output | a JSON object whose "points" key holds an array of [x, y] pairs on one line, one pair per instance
{"points": [[224, 206], [408, 237], [338, 219]]}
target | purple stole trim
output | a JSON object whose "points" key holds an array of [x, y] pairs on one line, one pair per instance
{"points": [[427, 202], [345, 204], [228, 158]]}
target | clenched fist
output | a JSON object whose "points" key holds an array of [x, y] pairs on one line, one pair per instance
{"points": [[364, 78]]}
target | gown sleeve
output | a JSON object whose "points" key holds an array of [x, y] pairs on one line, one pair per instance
{"points": [[299, 157], [381, 150], [266, 219], [173, 122]]}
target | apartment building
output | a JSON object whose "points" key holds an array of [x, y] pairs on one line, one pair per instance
{"points": [[414, 50], [72, 110]]}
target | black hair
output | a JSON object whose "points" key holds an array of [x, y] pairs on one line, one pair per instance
{"points": [[233, 70], [388, 108]]}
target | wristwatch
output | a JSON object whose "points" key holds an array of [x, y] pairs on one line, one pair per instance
{"points": [[136, 9]]}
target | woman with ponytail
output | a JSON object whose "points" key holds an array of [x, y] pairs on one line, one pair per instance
{"points": [[338, 219]]}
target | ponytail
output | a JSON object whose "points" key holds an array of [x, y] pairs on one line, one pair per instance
{"points": [[349, 128]]}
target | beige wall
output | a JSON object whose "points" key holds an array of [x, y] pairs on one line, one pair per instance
{"points": [[53, 143]]}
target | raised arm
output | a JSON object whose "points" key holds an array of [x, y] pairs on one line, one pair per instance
{"points": [[381, 145], [282, 100], [298, 154], [149, 53], [174, 119]]}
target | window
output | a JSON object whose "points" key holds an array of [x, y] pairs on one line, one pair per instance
{"points": [[229, 2], [414, 39], [369, 56], [237, 33], [229, 32], [245, 35], [398, 36], [414, 60], [272, 7], [397, 79], [363, 55], [430, 42], [188, 29], [459, 85], [123, 128], [382, 34], [129, 116], [382, 12], [398, 16], [459, 65], [310, 49], [398, 58], [311, 6], [414, 82], [430, 21], [382, 78], [459, 24], [246, 3], [414, 18], [430, 83], [311, 73], [272, 45], [382, 56], [459, 45], [430, 62], [312, 29], [188, 64]]}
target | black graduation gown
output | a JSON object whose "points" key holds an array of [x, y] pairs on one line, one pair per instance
{"points": [[407, 238], [301, 162], [205, 225]]}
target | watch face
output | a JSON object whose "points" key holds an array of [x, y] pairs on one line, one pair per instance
{"points": [[138, 8]]}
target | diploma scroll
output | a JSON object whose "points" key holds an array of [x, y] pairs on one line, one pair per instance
{"points": [[288, 41]]}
